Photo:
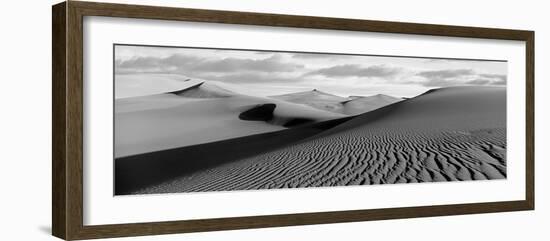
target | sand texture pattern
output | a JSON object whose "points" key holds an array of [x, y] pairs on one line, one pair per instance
{"points": [[448, 134]]}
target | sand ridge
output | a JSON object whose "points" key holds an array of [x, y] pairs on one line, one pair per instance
{"points": [[362, 104], [197, 114], [352, 105], [450, 134]]}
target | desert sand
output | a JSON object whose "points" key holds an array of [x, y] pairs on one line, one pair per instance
{"points": [[447, 134], [200, 113], [362, 104], [156, 167], [352, 105]]}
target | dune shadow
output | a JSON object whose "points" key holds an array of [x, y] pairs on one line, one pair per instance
{"points": [[262, 112], [135, 172]]}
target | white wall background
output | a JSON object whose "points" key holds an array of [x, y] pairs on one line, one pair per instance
{"points": [[25, 122]]}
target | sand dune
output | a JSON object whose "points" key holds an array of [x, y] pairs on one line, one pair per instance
{"points": [[362, 104], [204, 90], [133, 85], [352, 105], [316, 99], [155, 167], [453, 108], [447, 134], [199, 113]]}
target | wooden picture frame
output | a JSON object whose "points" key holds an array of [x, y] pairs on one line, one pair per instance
{"points": [[67, 156]]}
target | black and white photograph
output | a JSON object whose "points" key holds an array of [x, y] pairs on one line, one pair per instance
{"points": [[189, 119]]}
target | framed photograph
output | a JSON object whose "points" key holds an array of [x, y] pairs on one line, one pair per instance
{"points": [[171, 120]]}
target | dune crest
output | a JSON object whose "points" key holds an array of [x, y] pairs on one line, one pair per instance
{"points": [[352, 105], [199, 114], [361, 104], [450, 134], [204, 90], [316, 99], [445, 108]]}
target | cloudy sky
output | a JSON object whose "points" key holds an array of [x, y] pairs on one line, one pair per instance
{"points": [[273, 73]]}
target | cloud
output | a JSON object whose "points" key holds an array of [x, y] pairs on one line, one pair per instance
{"points": [[495, 79], [187, 64], [156, 65], [499, 77], [454, 77], [315, 56], [271, 64], [251, 77], [446, 74], [355, 70], [263, 52], [478, 82], [142, 62], [439, 82]]}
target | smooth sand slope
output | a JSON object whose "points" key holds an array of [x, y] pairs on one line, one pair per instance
{"points": [[447, 134], [316, 99], [200, 113], [362, 104], [352, 105], [155, 167]]}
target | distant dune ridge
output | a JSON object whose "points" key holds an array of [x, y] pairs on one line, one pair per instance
{"points": [[306, 139], [204, 90], [200, 113], [352, 105], [361, 104]]}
